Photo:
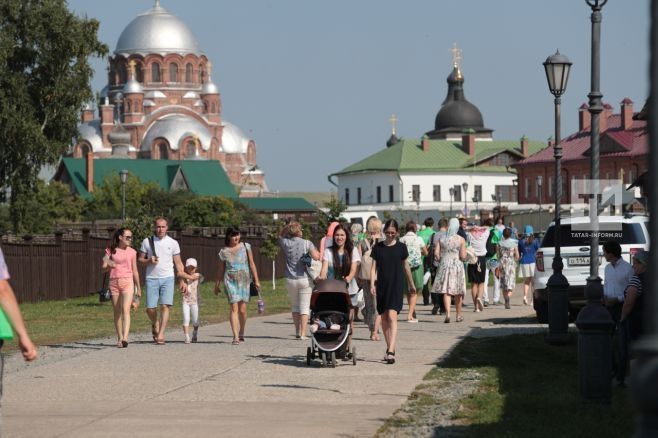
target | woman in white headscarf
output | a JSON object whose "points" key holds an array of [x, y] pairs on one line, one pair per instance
{"points": [[450, 280]]}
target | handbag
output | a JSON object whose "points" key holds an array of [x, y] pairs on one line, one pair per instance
{"points": [[6, 331], [253, 290], [104, 292]]}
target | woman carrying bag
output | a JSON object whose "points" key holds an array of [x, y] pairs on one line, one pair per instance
{"points": [[237, 271], [120, 260], [298, 283]]}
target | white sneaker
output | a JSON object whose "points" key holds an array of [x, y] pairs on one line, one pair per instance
{"points": [[412, 320], [187, 339]]}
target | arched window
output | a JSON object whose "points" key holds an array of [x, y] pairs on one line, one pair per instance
{"points": [[122, 73], [201, 74], [139, 73], [188, 73], [191, 148], [173, 72], [155, 72], [164, 151]]}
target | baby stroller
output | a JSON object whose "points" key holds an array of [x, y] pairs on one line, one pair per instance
{"points": [[331, 304]]}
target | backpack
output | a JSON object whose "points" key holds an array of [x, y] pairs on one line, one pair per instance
{"points": [[366, 262], [491, 247], [429, 258]]}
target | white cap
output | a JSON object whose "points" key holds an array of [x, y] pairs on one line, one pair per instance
{"points": [[191, 262]]}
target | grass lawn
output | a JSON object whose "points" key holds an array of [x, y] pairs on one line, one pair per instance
{"points": [[57, 322], [520, 387]]}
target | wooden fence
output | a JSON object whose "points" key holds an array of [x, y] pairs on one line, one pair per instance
{"points": [[68, 268]]}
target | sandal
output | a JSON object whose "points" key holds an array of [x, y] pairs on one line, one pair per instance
{"points": [[159, 341], [236, 342], [124, 344], [154, 332], [374, 337], [447, 320], [241, 338], [390, 357], [460, 318], [119, 344]]}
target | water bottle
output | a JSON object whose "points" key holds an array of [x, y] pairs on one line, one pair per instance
{"points": [[261, 306]]}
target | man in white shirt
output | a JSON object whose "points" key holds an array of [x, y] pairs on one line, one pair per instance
{"points": [[617, 274], [160, 253]]}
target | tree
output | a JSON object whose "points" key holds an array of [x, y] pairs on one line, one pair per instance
{"points": [[105, 202], [48, 205], [335, 207], [44, 82], [270, 246], [207, 211]]}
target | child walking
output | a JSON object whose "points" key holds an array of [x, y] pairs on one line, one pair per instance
{"points": [[191, 302]]}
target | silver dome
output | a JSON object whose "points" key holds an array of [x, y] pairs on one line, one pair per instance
{"points": [[209, 88], [132, 86], [175, 128], [233, 139], [91, 132], [157, 31]]}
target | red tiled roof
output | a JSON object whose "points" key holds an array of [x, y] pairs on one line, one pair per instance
{"points": [[576, 146]]}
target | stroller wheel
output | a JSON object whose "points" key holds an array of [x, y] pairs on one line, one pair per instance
{"points": [[353, 355], [333, 359], [308, 356], [323, 357]]}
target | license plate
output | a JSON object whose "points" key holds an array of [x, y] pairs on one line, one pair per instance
{"points": [[578, 261], [581, 261]]}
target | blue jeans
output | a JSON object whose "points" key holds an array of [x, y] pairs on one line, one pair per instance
{"points": [[159, 291]]}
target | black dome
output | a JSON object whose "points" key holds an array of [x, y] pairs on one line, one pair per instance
{"points": [[393, 139], [458, 114]]}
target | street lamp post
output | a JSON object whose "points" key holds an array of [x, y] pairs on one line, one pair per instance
{"points": [[594, 322], [123, 174], [557, 69], [476, 200], [540, 180], [644, 378], [452, 194], [465, 187]]}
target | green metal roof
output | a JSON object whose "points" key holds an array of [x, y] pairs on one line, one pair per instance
{"points": [[204, 177], [278, 204], [442, 155]]}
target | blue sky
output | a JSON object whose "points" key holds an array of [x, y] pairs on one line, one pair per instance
{"points": [[314, 83]]}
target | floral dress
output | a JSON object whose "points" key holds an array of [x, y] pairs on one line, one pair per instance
{"points": [[450, 275], [508, 266], [236, 274]]}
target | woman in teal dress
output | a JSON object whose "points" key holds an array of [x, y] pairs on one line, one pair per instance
{"points": [[235, 263]]}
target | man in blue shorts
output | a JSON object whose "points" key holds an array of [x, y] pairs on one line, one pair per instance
{"points": [[160, 253]]}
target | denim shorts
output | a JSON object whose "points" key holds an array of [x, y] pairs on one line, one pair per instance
{"points": [[159, 291]]}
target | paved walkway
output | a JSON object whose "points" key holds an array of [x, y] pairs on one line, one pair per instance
{"points": [[209, 389]]}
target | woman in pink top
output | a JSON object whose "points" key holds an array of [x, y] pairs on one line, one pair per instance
{"points": [[120, 261]]}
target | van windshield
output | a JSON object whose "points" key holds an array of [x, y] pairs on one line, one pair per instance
{"points": [[630, 234]]}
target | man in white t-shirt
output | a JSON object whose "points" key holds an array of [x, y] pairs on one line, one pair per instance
{"points": [[160, 276]]}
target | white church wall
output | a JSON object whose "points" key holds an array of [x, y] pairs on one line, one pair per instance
{"points": [[403, 185]]}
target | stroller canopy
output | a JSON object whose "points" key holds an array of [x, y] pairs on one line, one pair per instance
{"points": [[332, 295]]}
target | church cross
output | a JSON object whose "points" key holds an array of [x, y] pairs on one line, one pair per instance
{"points": [[157, 4], [393, 121], [456, 56], [132, 64]]}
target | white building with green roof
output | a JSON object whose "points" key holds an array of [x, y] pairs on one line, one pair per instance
{"points": [[431, 173]]}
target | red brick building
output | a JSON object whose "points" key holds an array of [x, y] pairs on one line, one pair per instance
{"points": [[624, 150], [160, 103]]}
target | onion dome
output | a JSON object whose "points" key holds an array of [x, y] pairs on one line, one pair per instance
{"points": [[392, 140], [208, 86], [132, 86], [120, 140], [156, 31]]}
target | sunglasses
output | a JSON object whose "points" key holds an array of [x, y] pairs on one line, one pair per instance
{"points": [[128, 237]]}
